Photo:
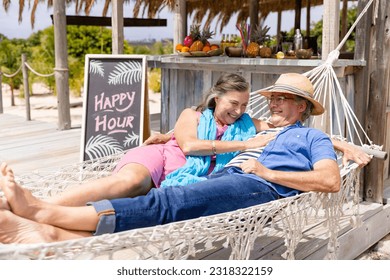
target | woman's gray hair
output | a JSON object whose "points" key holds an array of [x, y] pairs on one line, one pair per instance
{"points": [[227, 82]]}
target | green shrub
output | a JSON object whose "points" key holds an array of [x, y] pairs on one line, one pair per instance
{"points": [[154, 80]]}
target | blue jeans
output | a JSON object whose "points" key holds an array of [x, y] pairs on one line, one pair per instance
{"points": [[222, 192]]}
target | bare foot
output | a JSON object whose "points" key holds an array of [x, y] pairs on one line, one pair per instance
{"points": [[3, 201], [4, 204], [20, 200], [15, 229]]}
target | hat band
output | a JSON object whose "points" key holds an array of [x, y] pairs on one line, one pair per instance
{"points": [[291, 89]]}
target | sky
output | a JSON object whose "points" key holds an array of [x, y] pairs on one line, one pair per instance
{"points": [[11, 28]]}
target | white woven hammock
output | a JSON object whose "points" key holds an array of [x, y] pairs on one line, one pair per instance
{"points": [[238, 230]]}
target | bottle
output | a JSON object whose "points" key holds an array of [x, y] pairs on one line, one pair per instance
{"points": [[298, 40], [223, 43]]}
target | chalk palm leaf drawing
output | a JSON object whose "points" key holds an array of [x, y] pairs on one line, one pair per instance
{"points": [[96, 67], [126, 73], [101, 146], [130, 139]]}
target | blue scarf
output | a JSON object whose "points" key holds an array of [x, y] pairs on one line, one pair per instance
{"points": [[197, 166]]}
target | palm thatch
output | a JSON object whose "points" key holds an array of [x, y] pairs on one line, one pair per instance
{"points": [[199, 9]]}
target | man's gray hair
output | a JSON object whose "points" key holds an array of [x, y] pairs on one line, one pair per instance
{"points": [[309, 107]]}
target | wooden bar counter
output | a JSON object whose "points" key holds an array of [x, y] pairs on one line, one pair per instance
{"points": [[185, 79]]}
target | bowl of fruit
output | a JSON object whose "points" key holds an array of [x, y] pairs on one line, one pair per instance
{"points": [[197, 44]]}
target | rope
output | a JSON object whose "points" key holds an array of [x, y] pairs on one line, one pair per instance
{"points": [[11, 75], [36, 73], [354, 25], [334, 55]]}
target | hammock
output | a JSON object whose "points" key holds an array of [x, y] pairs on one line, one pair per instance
{"points": [[237, 230]]}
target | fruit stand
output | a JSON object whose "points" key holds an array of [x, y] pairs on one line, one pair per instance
{"points": [[184, 79]]}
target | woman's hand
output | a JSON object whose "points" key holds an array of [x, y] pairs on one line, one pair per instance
{"points": [[158, 138], [260, 140]]}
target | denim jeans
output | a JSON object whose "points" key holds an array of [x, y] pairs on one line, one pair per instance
{"points": [[222, 192]]}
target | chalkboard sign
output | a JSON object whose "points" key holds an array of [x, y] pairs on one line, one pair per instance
{"points": [[114, 103]]}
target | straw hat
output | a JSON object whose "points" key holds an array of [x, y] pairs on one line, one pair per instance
{"points": [[296, 84]]}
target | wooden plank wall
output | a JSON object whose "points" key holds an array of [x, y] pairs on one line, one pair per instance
{"points": [[378, 97]]}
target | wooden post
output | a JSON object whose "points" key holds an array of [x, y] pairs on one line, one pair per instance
{"points": [[1, 93], [278, 29], [117, 27], [179, 22], [61, 64], [344, 22], [330, 29], [298, 9], [308, 5], [26, 87], [378, 98], [253, 13], [362, 52]]}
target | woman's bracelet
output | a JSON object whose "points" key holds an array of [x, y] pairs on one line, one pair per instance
{"points": [[213, 149]]}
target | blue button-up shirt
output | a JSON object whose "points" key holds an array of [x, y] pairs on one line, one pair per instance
{"points": [[295, 148]]}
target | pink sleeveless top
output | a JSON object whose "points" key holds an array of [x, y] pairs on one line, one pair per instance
{"points": [[161, 159]]}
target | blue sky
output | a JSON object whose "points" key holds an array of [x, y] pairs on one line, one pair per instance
{"points": [[11, 28]]}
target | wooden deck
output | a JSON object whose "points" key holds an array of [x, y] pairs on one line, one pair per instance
{"points": [[35, 145]]}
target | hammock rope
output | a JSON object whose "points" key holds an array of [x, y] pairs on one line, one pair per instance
{"points": [[285, 219]]}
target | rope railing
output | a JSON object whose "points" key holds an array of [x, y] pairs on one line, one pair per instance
{"points": [[23, 67], [11, 75], [38, 74]]}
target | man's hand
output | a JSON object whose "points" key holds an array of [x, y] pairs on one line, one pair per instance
{"points": [[252, 166], [354, 153]]}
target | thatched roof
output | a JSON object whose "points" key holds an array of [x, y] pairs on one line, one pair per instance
{"points": [[199, 9], [219, 10]]}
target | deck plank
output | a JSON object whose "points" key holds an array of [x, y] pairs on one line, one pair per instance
{"points": [[35, 145]]}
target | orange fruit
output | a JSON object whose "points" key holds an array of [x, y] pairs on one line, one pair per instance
{"points": [[214, 47], [185, 49], [206, 48], [179, 47]]}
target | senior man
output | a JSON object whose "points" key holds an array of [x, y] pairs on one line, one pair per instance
{"points": [[299, 159]]}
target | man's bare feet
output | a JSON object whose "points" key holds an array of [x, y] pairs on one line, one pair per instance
{"points": [[4, 204], [15, 229], [3, 201], [20, 200], [22, 203]]}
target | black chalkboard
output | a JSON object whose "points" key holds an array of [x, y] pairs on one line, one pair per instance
{"points": [[114, 97]]}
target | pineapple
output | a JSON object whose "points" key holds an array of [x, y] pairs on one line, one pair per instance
{"points": [[206, 35], [259, 36], [253, 49], [197, 45], [200, 37], [195, 32]]}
